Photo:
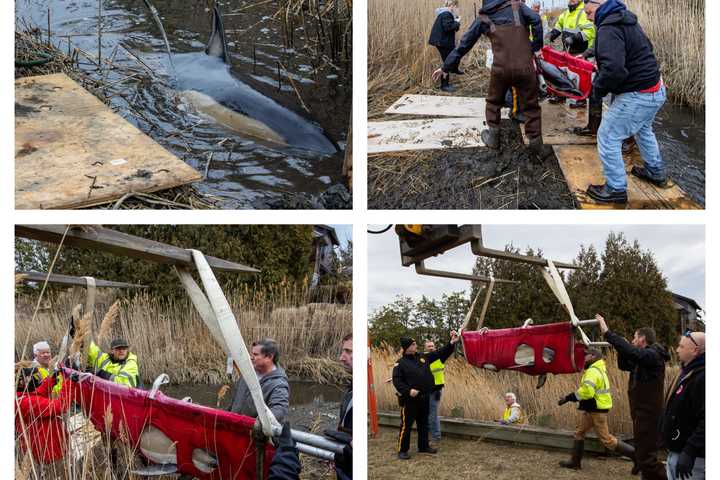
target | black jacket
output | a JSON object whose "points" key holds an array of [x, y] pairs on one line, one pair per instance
{"points": [[683, 424], [443, 30], [646, 365], [500, 13], [346, 409], [413, 371], [624, 54]]}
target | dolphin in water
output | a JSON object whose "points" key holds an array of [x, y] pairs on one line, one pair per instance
{"points": [[206, 83]]}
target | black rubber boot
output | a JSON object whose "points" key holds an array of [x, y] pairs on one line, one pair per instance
{"points": [[428, 450], [491, 137], [601, 193], [644, 174], [445, 84], [575, 461], [594, 119], [626, 450], [538, 150], [404, 456]]}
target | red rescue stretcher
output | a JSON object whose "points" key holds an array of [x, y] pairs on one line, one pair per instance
{"points": [[578, 66], [130, 411], [534, 350]]}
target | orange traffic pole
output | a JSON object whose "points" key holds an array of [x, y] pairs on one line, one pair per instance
{"points": [[372, 399]]}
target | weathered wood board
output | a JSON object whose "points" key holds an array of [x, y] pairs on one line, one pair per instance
{"points": [[581, 167], [530, 435], [68, 280], [119, 243], [440, 106], [428, 134], [72, 151], [558, 121]]}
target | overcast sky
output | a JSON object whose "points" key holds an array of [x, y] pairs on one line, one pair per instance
{"points": [[679, 251], [344, 233]]}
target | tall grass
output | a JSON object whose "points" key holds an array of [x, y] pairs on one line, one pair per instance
{"points": [[169, 336], [478, 394], [677, 31], [398, 50]]}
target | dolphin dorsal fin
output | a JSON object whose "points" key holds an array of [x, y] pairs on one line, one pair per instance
{"points": [[217, 45]]}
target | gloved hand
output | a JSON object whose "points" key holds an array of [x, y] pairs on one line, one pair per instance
{"points": [[684, 466], [569, 41], [75, 377], [554, 33], [285, 439], [104, 375], [570, 397]]}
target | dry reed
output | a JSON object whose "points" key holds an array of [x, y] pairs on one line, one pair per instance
{"points": [[677, 31], [478, 394], [169, 336]]}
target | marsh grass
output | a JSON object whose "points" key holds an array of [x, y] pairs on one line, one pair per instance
{"points": [[478, 394], [169, 337]]}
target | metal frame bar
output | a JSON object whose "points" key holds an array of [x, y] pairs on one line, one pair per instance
{"points": [[112, 241], [58, 279], [422, 270]]}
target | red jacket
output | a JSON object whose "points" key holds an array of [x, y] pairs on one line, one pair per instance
{"points": [[37, 420]]}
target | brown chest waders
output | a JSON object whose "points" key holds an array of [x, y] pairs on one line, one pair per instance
{"points": [[513, 67]]}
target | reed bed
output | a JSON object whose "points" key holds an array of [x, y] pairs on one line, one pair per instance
{"points": [[677, 31], [478, 394], [169, 336]]}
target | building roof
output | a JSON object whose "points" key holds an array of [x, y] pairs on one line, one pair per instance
{"points": [[686, 300], [327, 230]]}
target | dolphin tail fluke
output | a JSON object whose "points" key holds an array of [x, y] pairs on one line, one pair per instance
{"points": [[217, 45]]}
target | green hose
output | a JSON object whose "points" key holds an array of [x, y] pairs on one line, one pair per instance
{"points": [[42, 59]]}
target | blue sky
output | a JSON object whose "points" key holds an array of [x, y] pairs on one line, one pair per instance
{"points": [[679, 251], [344, 233]]}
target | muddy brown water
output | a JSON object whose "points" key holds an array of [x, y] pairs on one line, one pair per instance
{"points": [[242, 173], [463, 178], [312, 406]]}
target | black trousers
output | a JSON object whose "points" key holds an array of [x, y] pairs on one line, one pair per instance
{"points": [[414, 410], [444, 52]]}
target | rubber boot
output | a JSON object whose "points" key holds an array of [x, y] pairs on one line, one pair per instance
{"points": [[445, 84], [491, 137], [578, 104], [575, 461], [594, 119], [537, 148], [626, 450]]}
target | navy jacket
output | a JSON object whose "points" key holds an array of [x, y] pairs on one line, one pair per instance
{"points": [[443, 30], [683, 425], [624, 54], [500, 13]]}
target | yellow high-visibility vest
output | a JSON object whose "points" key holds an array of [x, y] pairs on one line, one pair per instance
{"points": [[44, 372], [521, 420], [127, 373], [438, 370], [595, 384]]}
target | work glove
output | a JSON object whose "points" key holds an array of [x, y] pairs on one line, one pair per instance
{"points": [[285, 439], [684, 466], [554, 33], [104, 375], [570, 397], [569, 41]]}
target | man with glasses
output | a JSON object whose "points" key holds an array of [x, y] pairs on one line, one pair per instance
{"points": [[645, 359], [627, 69], [683, 423]]}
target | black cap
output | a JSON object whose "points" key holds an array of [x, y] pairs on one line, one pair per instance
{"points": [[119, 342], [405, 342]]}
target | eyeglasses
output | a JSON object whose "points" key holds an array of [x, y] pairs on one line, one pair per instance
{"points": [[688, 334]]}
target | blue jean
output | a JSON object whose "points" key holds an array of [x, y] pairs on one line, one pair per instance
{"points": [[630, 114], [698, 472], [433, 418]]}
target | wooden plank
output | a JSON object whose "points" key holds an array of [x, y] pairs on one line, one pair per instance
{"points": [[558, 121], [72, 151], [59, 279], [428, 134], [581, 167], [529, 435], [440, 106], [119, 243]]}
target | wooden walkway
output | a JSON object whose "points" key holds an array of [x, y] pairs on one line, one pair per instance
{"points": [[530, 435], [73, 151]]}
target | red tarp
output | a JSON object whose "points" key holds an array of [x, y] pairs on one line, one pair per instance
{"points": [[499, 347], [579, 66], [227, 436]]}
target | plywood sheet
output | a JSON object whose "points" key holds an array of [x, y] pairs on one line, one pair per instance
{"points": [[73, 151], [558, 121], [581, 167], [440, 106], [426, 134]]}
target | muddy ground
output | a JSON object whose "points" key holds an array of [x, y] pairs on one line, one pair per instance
{"points": [[461, 458]]}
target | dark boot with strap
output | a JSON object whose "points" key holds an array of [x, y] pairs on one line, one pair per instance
{"points": [[445, 84], [626, 450], [491, 137], [594, 119], [575, 461]]}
